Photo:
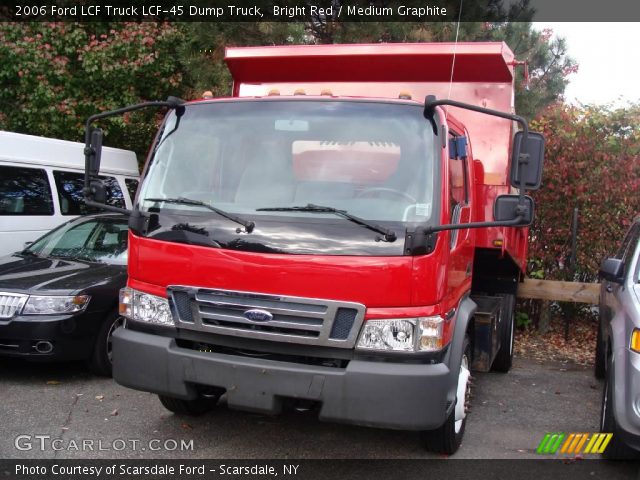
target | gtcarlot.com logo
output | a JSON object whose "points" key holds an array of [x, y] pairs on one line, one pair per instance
{"points": [[46, 443], [574, 443]]}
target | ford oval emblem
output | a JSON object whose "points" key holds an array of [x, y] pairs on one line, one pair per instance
{"points": [[258, 315]]}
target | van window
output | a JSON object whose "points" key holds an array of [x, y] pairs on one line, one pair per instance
{"points": [[24, 191], [70, 185], [132, 186]]}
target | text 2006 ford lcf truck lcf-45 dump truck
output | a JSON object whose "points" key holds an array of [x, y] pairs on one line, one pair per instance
{"points": [[347, 230]]}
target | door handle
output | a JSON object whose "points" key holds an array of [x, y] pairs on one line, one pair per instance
{"points": [[609, 288]]}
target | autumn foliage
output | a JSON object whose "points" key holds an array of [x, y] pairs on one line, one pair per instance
{"points": [[54, 75], [592, 162]]}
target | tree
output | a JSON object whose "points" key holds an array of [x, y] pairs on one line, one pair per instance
{"points": [[54, 75], [592, 162], [202, 51]]}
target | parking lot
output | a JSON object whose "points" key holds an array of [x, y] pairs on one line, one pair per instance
{"points": [[50, 410]]}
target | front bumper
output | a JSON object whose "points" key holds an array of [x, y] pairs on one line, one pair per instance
{"points": [[72, 337], [381, 394]]}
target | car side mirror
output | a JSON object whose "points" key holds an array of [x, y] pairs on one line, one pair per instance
{"points": [[507, 207], [527, 159], [612, 269]]}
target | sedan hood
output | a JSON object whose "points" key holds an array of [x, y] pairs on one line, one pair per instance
{"points": [[30, 274]]}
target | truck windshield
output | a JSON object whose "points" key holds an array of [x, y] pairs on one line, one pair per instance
{"points": [[255, 158]]}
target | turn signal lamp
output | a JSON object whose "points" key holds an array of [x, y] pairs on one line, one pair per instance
{"points": [[498, 242], [635, 340]]}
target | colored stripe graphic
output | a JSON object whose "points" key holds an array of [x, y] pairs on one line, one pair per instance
{"points": [[598, 442], [573, 443], [550, 443]]}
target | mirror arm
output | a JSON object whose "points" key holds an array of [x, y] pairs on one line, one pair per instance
{"points": [[110, 208], [430, 104], [171, 102], [463, 226]]}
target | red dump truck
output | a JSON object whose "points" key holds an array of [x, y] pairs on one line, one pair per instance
{"points": [[346, 232]]}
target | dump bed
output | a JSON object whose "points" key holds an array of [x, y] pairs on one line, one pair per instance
{"points": [[482, 75]]}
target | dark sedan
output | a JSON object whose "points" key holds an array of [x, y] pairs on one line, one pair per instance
{"points": [[59, 296]]}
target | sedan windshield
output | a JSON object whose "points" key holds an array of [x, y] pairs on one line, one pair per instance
{"points": [[102, 240], [259, 158]]}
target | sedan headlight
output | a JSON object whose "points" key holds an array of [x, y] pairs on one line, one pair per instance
{"points": [[421, 334], [55, 304], [143, 307]]}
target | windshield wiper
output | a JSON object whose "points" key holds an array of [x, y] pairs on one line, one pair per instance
{"points": [[388, 235], [248, 225]]}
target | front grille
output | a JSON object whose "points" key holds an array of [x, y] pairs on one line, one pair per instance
{"points": [[11, 303], [343, 323], [268, 317]]}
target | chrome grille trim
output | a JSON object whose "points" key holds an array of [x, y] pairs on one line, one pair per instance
{"points": [[11, 303], [295, 319]]}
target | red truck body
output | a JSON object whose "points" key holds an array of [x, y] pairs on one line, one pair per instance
{"points": [[483, 263]]}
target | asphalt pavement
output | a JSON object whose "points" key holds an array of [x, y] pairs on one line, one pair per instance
{"points": [[61, 411]]}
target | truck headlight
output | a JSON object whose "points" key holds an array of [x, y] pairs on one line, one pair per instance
{"points": [[423, 334], [143, 307], [55, 304]]}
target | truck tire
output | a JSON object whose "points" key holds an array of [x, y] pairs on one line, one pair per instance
{"points": [[448, 437], [194, 408], [101, 359], [600, 368], [617, 449], [504, 359]]}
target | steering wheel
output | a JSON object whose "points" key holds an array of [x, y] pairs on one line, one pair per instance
{"points": [[391, 191]]}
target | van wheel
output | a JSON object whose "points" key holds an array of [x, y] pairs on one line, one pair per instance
{"points": [[448, 437], [617, 449], [101, 360], [504, 359], [194, 408]]}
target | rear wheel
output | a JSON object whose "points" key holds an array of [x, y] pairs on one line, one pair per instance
{"points": [[504, 359], [198, 406], [448, 437], [617, 449]]}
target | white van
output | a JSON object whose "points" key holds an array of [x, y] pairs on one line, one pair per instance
{"points": [[41, 181]]}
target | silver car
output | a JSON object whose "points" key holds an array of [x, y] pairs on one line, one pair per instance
{"points": [[618, 347]]}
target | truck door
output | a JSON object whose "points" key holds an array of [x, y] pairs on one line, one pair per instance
{"points": [[459, 204]]}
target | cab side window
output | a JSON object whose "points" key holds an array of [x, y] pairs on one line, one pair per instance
{"points": [[458, 181]]}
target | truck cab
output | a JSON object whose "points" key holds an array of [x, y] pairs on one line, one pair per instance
{"points": [[330, 235]]}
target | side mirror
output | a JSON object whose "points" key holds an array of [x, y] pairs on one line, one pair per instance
{"points": [[507, 207], [95, 152], [612, 269], [526, 161]]}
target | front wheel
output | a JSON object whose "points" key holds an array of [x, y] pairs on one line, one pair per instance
{"points": [[101, 360], [448, 437], [600, 368], [617, 449]]}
